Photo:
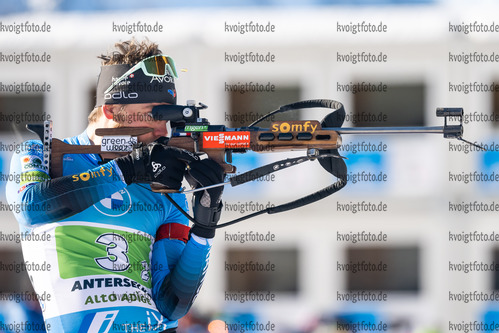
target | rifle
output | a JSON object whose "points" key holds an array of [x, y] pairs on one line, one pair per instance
{"points": [[320, 140]]}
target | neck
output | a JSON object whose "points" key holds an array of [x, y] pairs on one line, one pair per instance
{"points": [[101, 122]]}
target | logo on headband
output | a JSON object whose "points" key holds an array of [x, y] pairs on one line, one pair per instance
{"points": [[121, 95], [162, 79], [121, 84]]}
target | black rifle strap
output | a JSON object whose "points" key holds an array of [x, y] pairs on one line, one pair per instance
{"points": [[268, 169], [265, 170], [314, 103], [316, 196]]}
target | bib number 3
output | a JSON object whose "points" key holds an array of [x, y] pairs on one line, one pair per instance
{"points": [[117, 248]]}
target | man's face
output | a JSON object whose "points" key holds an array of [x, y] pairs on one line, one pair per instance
{"points": [[137, 115]]}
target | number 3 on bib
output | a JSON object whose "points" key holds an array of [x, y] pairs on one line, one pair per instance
{"points": [[117, 248]]}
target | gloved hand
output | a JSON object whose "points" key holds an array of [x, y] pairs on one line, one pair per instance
{"points": [[207, 204], [155, 163]]}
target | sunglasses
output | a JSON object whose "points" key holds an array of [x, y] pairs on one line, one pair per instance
{"points": [[157, 65]]}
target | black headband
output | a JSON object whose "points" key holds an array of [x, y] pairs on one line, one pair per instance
{"points": [[136, 88]]}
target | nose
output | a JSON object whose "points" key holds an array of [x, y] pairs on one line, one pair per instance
{"points": [[160, 128]]}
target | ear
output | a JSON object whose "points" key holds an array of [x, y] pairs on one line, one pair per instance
{"points": [[108, 111]]}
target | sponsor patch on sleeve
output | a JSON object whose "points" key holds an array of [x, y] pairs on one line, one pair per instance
{"points": [[31, 163], [22, 188], [30, 177]]}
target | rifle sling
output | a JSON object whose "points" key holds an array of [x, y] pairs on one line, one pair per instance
{"points": [[265, 170]]}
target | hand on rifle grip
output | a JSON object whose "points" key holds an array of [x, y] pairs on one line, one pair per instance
{"points": [[155, 163], [207, 204]]}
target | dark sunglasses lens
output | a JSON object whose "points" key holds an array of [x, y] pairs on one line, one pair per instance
{"points": [[156, 65]]}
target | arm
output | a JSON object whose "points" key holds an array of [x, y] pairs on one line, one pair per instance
{"points": [[178, 272], [177, 283], [69, 195], [178, 264], [63, 197]]}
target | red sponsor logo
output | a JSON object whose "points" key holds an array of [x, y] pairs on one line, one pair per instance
{"points": [[23, 187], [226, 140]]}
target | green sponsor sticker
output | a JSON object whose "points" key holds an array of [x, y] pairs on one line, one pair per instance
{"points": [[86, 250], [33, 177], [196, 128]]}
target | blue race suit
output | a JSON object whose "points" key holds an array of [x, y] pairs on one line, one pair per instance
{"points": [[112, 255]]}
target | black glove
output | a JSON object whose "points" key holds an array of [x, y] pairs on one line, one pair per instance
{"points": [[207, 204], [155, 163]]}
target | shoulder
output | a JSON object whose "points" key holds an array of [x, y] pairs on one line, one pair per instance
{"points": [[29, 157], [80, 139], [27, 166], [31, 147]]}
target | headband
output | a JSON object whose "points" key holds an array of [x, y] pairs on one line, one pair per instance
{"points": [[136, 88]]}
